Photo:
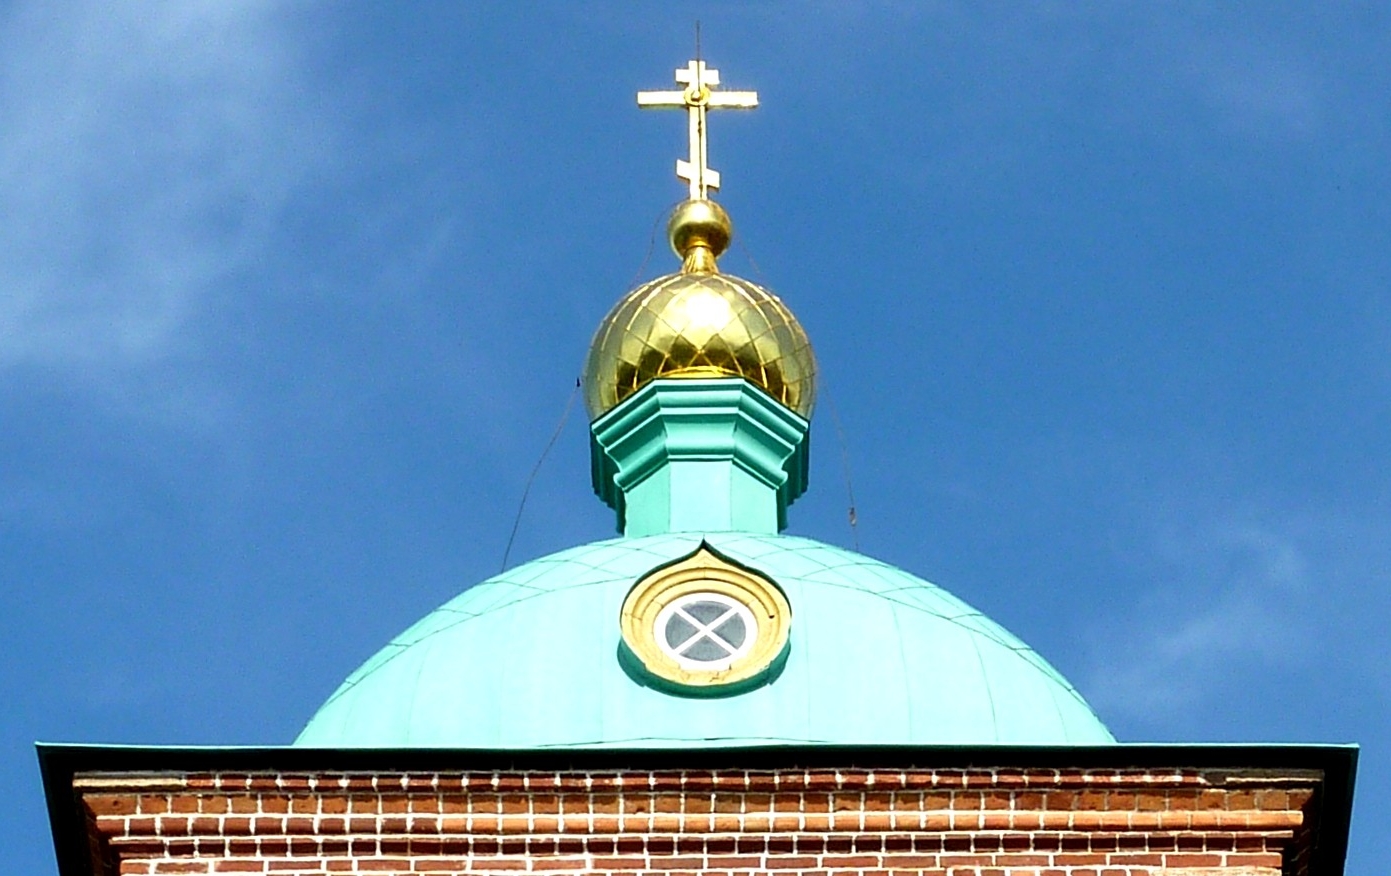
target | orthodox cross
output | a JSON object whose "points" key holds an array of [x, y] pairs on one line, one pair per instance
{"points": [[697, 97]]}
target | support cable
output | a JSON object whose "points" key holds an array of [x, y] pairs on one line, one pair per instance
{"points": [[535, 470]]}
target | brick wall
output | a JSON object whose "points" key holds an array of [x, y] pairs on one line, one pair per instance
{"points": [[680, 823]]}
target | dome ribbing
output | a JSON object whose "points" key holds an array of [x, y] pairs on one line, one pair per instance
{"points": [[529, 659]]}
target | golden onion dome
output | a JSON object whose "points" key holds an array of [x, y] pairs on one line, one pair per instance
{"points": [[699, 323]]}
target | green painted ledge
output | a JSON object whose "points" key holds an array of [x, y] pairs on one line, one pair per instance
{"points": [[699, 455]]}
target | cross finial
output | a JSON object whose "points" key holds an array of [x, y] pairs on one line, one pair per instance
{"points": [[697, 97]]}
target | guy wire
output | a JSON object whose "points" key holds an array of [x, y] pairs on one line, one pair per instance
{"points": [[651, 244], [758, 272], [852, 516], [535, 470]]}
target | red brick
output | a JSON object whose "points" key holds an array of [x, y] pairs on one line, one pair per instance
{"points": [[440, 865], [758, 823], [452, 805], [306, 805], [141, 826], [1192, 842], [243, 804], [762, 782], [1076, 860], [183, 803], [847, 821], [964, 860], [375, 782], [1028, 821], [996, 820], [559, 863], [152, 804], [987, 842], [206, 825], [855, 861], [679, 862], [822, 781], [1143, 824], [734, 862], [610, 864], [1272, 799], [1181, 859], [173, 825], [272, 803], [816, 823], [785, 823], [1017, 862]]}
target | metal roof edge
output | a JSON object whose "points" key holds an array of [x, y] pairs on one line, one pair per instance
{"points": [[60, 762]]}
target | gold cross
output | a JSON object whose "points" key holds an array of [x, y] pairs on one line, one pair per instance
{"points": [[697, 97]]}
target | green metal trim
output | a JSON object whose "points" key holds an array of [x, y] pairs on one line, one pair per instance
{"points": [[681, 455], [640, 674]]}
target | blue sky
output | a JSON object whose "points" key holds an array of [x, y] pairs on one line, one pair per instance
{"points": [[295, 294]]}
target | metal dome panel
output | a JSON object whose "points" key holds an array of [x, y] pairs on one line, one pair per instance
{"points": [[531, 659]]}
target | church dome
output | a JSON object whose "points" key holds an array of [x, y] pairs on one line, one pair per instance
{"points": [[702, 626], [534, 658], [699, 323]]}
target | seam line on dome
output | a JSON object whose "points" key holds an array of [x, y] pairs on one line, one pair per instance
{"points": [[1010, 642], [1020, 651], [404, 647], [989, 694], [415, 692], [1062, 719], [907, 672], [953, 620]]}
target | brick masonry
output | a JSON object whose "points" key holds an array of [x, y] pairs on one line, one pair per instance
{"points": [[971, 822]]}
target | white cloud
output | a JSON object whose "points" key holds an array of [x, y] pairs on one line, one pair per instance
{"points": [[144, 151]]}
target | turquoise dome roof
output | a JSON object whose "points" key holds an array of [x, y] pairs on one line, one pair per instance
{"points": [[531, 659]]}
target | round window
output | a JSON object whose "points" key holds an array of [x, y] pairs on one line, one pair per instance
{"points": [[705, 630], [706, 622]]}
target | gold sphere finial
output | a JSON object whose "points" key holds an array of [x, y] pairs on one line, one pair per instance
{"points": [[700, 325], [699, 231]]}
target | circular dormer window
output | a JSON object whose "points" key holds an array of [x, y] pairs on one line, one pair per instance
{"points": [[704, 622], [705, 630]]}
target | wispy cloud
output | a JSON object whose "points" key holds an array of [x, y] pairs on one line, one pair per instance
{"points": [[1225, 594], [1252, 85], [144, 152]]}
